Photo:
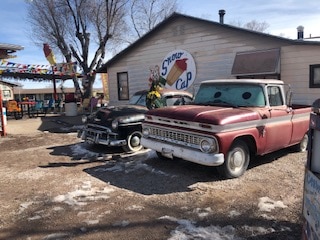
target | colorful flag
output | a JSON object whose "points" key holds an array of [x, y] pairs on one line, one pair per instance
{"points": [[49, 54]]}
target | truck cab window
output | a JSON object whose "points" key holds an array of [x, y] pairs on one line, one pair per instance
{"points": [[274, 95]]}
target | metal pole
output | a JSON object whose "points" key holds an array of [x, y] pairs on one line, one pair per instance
{"points": [[3, 127], [55, 96]]}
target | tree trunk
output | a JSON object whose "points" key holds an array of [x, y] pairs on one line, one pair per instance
{"points": [[87, 85]]}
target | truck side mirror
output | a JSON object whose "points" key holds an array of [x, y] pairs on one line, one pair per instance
{"points": [[289, 98]]}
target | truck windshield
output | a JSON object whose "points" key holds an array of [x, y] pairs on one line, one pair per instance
{"points": [[236, 95]]}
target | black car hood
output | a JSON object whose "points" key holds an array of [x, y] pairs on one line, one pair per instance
{"points": [[106, 115]]}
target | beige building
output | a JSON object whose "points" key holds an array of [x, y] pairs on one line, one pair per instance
{"points": [[188, 50], [7, 90]]}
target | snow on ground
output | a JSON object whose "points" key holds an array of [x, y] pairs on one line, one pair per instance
{"points": [[186, 229], [84, 194], [267, 205], [79, 149]]}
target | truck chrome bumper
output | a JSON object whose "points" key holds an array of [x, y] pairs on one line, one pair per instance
{"points": [[170, 151], [98, 137]]}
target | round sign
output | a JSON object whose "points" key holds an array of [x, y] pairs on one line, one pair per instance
{"points": [[179, 70]]}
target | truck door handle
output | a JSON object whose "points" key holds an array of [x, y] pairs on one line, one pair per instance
{"points": [[289, 110]]}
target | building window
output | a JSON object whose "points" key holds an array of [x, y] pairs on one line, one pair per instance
{"points": [[6, 93], [123, 86], [314, 81]]}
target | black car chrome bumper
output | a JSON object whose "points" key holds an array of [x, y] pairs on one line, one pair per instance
{"points": [[100, 135]]}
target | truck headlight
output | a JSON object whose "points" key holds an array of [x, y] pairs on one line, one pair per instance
{"points": [[146, 132], [208, 145], [115, 124]]}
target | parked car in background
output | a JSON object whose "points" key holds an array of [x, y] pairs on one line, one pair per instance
{"points": [[121, 125]]}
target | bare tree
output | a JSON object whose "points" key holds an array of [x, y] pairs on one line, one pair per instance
{"points": [[146, 14], [69, 25], [256, 26], [253, 25], [82, 30]]}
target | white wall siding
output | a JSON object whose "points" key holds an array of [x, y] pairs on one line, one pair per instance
{"points": [[295, 62], [213, 47]]}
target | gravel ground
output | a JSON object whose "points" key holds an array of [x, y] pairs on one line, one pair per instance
{"points": [[52, 186]]}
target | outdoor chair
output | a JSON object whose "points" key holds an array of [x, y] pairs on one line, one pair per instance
{"points": [[39, 108], [14, 109]]}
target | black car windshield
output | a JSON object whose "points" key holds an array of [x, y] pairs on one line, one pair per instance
{"points": [[236, 95], [138, 99]]}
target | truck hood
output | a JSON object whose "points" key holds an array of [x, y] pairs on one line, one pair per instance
{"points": [[107, 114], [208, 114]]}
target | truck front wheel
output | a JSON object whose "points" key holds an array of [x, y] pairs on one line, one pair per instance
{"points": [[236, 161], [133, 142]]}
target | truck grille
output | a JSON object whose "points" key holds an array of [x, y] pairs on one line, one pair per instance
{"points": [[174, 136]]}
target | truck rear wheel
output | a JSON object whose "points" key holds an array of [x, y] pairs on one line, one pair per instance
{"points": [[236, 161], [133, 142]]}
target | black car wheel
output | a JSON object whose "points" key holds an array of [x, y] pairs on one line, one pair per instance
{"points": [[133, 142]]}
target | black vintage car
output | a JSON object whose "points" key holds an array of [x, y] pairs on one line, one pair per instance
{"points": [[121, 125]]}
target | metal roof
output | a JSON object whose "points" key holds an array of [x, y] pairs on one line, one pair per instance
{"points": [[7, 49], [12, 47]]}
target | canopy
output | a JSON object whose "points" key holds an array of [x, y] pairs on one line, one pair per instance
{"points": [[38, 72], [256, 62]]}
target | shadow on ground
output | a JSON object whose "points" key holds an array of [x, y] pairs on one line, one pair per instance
{"points": [[60, 124], [144, 172]]}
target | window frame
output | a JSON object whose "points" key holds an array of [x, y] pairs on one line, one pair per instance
{"points": [[278, 98], [119, 81], [312, 83], [6, 93]]}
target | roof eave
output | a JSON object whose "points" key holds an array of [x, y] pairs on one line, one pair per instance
{"points": [[104, 67]]}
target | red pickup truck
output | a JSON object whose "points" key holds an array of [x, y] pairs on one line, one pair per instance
{"points": [[229, 122]]}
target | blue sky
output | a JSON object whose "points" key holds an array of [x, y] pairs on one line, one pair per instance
{"points": [[282, 16]]}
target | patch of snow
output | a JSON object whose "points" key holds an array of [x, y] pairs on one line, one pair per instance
{"points": [[203, 212], [258, 230], [34, 218], [234, 213], [266, 204], [188, 231], [57, 209], [79, 149], [123, 223], [135, 207], [131, 166], [24, 206], [55, 236], [83, 195], [81, 213], [91, 222]]}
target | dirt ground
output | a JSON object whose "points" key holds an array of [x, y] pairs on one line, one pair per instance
{"points": [[53, 186]]}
